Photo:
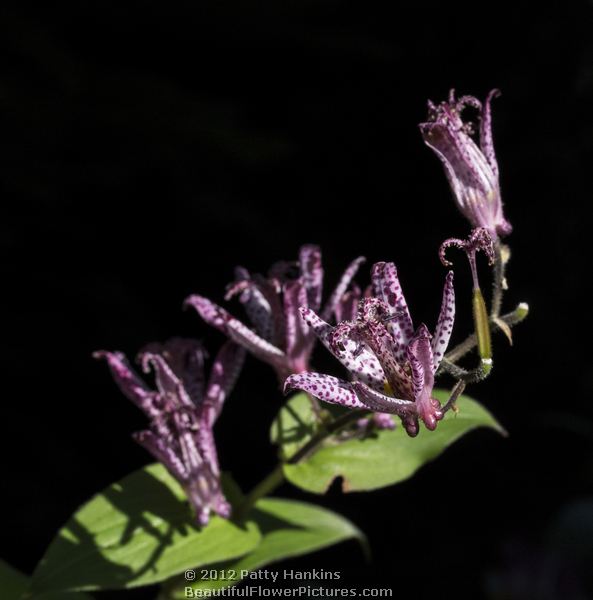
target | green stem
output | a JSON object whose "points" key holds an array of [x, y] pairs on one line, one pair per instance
{"points": [[332, 427], [472, 376], [498, 282], [276, 477], [455, 393], [511, 319], [263, 488]]}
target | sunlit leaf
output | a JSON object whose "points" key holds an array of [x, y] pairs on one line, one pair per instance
{"points": [[289, 528], [385, 458], [138, 531]]}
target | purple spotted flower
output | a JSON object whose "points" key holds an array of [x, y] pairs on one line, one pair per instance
{"points": [[278, 335], [392, 366], [471, 167], [182, 411]]}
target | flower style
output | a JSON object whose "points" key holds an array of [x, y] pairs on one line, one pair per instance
{"points": [[471, 169], [182, 411], [279, 336], [391, 365]]}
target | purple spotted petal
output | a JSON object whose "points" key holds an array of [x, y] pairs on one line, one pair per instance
{"points": [[421, 362], [419, 354], [330, 308], [486, 142], [347, 308], [169, 385], [444, 327], [386, 287], [298, 340], [185, 357], [218, 317], [162, 452], [128, 382], [223, 376], [371, 327], [382, 403], [311, 274], [355, 356], [325, 387], [256, 304]]}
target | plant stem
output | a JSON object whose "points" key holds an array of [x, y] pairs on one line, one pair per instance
{"points": [[511, 319], [276, 477], [263, 488], [498, 282], [455, 393], [472, 376], [331, 428]]}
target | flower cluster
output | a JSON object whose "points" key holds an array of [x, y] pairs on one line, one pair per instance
{"points": [[390, 364]]}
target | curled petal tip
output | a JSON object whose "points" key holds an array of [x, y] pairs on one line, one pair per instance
{"points": [[190, 301], [493, 93], [422, 332]]}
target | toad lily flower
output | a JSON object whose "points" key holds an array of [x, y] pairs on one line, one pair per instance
{"points": [[182, 411], [471, 169], [392, 366], [279, 336]]}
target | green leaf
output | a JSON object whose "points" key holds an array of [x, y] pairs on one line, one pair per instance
{"points": [[14, 585], [294, 424], [289, 528], [377, 461], [137, 532]]}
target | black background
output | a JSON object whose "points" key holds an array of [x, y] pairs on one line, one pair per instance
{"points": [[148, 148]]}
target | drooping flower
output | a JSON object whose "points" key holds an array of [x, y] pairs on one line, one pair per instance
{"points": [[471, 167], [391, 365], [278, 335], [182, 411]]}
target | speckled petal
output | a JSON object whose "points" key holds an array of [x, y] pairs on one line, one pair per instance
{"points": [[486, 143], [311, 274], [330, 308], [444, 327], [223, 376], [355, 356], [347, 308], [380, 402], [421, 362], [170, 386], [386, 286], [296, 329], [256, 305], [128, 382], [325, 387], [162, 452], [185, 357], [218, 317], [419, 354], [187, 435]]}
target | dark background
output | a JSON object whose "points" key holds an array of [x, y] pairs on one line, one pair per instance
{"points": [[148, 148]]}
